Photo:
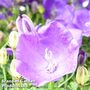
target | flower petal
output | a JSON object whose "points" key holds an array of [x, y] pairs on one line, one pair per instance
{"points": [[82, 21], [45, 55], [24, 24]]}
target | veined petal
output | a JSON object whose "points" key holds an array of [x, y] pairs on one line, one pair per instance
{"points": [[53, 7], [82, 21], [6, 3], [45, 55], [24, 24]]}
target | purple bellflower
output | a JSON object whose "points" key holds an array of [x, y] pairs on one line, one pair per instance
{"points": [[67, 15], [46, 54], [6, 3], [52, 7], [82, 21], [2, 16]]}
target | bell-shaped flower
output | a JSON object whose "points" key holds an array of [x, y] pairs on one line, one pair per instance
{"points": [[53, 7], [46, 54], [6, 3]]}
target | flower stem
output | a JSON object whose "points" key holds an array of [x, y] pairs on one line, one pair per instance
{"points": [[81, 88], [37, 18], [5, 45], [51, 86], [4, 74], [65, 85], [27, 9], [66, 80]]}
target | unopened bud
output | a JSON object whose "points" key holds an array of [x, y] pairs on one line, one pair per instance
{"points": [[81, 75], [82, 57], [13, 71], [41, 9], [3, 56], [34, 6], [13, 39]]}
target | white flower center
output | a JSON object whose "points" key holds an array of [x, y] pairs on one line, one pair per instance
{"points": [[52, 65]]}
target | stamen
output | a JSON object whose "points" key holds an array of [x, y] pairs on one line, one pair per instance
{"points": [[48, 54], [52, 65]]}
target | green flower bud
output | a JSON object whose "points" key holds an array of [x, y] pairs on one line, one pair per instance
{"points": [[13, 39], [41, 9], [81, 75], [13, 71], [3, 56]]}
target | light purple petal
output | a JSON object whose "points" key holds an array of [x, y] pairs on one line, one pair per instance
{"points": [[77, 34], [24, 24], [6, 3], [52, 41], [82, 21], [67, 15], [53, 7]]}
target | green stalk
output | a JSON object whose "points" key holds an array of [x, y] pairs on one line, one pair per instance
{"points": [[65, 85], [51, 86], [66, 80], [37, 18], [81, 88], [4, 74], [57, 88], [5, 45], [27, 10]]}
